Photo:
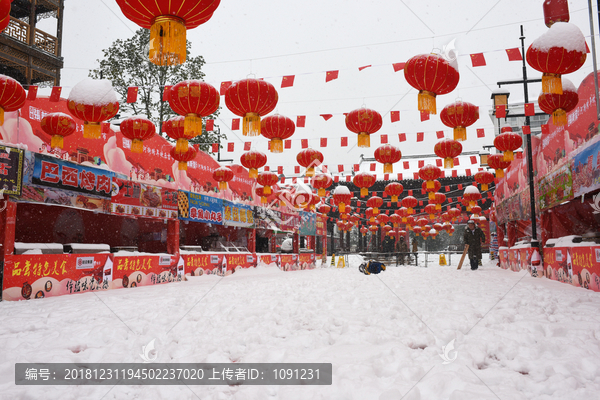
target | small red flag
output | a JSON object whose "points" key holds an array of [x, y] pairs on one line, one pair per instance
{"points": [[402, 137], [447, 189], [443, 175], [399, 176], [267, 168], [373, 166], [545, 129], [460, 186], [356, 167], [348, 178], [395, 116], [420, 136], [287, 144], [454, 173], [424, 116], [468, 172], [326, 117], [406, 165], [323, 142], [420, 202], [361, 68], [421, 163], [473, 159], [514, 54], [300, 121], [386, 177], [480, 132], [410, 192], [279, 170], [230, 146], [340, 168], [398, 66], [438, 162], [215, 147], [477, 60], [167, 93], [344, 142], [287, 81], [384, 139], [105, 128], [526, 130], [247, 146], [440, 134], [132, 93], [456, 161], [501, 111], [224, 87], [304, 143], [416, 175], [282, 179], [297, 169], [336, 178], [235, 124], [210, 125], [529, 109], [55, 94], [331, 75], [32, 93]]}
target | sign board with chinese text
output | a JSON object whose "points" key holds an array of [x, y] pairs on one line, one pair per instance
{"points": [[138, 199], [144, 270], [200, 208], [11, 170], [240, 215]]}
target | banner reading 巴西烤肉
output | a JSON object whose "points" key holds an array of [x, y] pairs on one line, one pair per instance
{"points": [[142, 200], [11, 170], [240, 215], [200, 208]]}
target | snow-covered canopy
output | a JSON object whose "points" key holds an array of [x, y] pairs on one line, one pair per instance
{"points": [[561, 34], [93, 92], [341, 189]]}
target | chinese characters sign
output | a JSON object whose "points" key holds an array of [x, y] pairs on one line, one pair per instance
{"points": [[238, 214], [11, 170], [137, 199], [200, 208]]}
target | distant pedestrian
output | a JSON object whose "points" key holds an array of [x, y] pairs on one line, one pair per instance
{"points": [[474, 237]]}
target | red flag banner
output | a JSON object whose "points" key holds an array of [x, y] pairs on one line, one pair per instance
{"points": [[384, 139], [421, 163], [267, 168], [336, 178], [304, 143], [247, 146], [501, 111], [514, 54], [395, 116], [167, 93], [398, 66], [340, 168], [480, 132], [132, 93], [529, 109], [454, 173], [456, 161], [348, 178], [280, 170], [297, 169], [361, 68], [468, 171], [224, 87], [406, 164], [331, 75], [373, 166], [438, 162], [323, 142], [287, 81], [545, 129], [420, 136], [215, 147], [300, 121], [478, 60], [402, 137], [210, 125], [416, 175], [344, 142], [326, 117], [440, 134], [356, 167], [235, 124], [399, 176], [55, 94], [386, 177], [526, 130], [32, 93], [473, 159], [424, 116]]}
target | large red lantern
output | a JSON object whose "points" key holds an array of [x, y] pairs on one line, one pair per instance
{"points": [[431, 210], [472, 195], [476, 210], [12, 95], [310, 159], [253, 160], [417, 230], [267, 179], [388, 155], [448, 149], [277, 128], [175, 129], [93, 101], [375, 202], [58, 125], [556, 11], [364, 122], [422, 222], [459, 116], [409, 202], [342, 196], [383, 219], [410, 221], [364, 230], [394, 189], [251, 99], [137, 129], [321, 182], [558, 105], [402, 212], [438, 200], [431, 75], [324, 208], [454, 213], [354, 218], [507, 142], [386, 229], [369, 214], [183, 158], [446, 217], [395, 219], [484, 178], [429, 173], [193, 99], [364, 181], [559, 51], [168, 21], [374, 229], [496, 161], [223, 175]]}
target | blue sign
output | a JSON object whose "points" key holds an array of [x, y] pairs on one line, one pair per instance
{"points": [[200, 208], [586, 170], [308, 224], [235, 214]]}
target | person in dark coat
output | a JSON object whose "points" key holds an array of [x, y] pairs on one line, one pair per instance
{"points": [[474, 237]]}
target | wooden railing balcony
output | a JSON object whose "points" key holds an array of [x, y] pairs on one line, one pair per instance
{"points": [[20, 31]]}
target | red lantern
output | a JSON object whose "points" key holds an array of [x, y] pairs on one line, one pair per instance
{"points": [[168, 21], [388, 155], [476, 210], [409, 202], [417, 230], [364, 122], [422, 222], [394, 189], [454, 213], [556, 11], [322, 182], [277, 128], [431, 210], [303, 200], [364, 230], [438, 227], [310, 159], [174, 128], [484, 178], [429, 173], [410, 221], [93, 101], [507, 142], [447, 227], [346, 213], [558, 105], [364, 181], [375, 202], [559, 51], [251, 99], [446, 217], [402, 212], [383, 219], [431, 75], [138, 129], [183, 158], [448, 149], [253, 160], [472, 195], [386, 229], [260, 192], [369, 214], [433, 233], [438, 200], [459, 115], [354, 218], [341, 226], [58, 125], [267, 179], [193, 99], [12, 95], [496, 161], [223, 175], [342, 196], [324, 208], [374, 229], [395, 220]]}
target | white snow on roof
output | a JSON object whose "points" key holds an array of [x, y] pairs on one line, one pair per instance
{"points": [[561, 34], [93, 92]]}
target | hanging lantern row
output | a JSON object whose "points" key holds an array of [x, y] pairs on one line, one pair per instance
{"points": [[277, 128], [558, 105], [507, 142], [364, 122], [459, 115], [388, 155]]}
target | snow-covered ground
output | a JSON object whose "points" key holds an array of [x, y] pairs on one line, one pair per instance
{"points": [[515, 337]]}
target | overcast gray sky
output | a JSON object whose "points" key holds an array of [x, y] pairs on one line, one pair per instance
{"points": [[273, 38]]}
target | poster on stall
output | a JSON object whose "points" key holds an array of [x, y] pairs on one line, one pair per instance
{"points": [[267, 218], [243, 260], [586, 170], [240, 215], [200, 208], [198, 264], [308, 223], [141, 200], [555, 188], [142, 270], [11, 170], [34, 276], [289, 262], [321, 225], [290, 222], [307, 261]]}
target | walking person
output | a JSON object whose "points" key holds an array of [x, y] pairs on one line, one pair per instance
{"points": [[474, 237]]}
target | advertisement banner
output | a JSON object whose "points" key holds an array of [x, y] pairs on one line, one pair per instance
{"points": [[268, 259], [11, 170], [199, 264], [308, 224], [142, 200], [290, 222], [555, 187], [586, 170], [321, 225], [586, 267], [200, 208], [34, 276], [267, 218], [243, 260], [238, 215], [144, 270], [503, 254], [307, 261], [289, 262], [555, 264], [68, 176], [32, 194]]}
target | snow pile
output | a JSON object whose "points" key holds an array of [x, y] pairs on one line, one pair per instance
{"points": [[561, 34], [93, 92], [341, 189]]}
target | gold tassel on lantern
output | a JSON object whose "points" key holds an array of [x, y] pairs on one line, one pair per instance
{"points": [[375, 211], [460, 133], [310, 172], [430, 185], [559, 117], [276, 145], [342, 207], [388, 168], [137, 146], [438, 206], [251, 125], [431, 196], [192, 125], [92, 130], [551, 83], [499, 173], [484, 186], [427, 102], [508, 155], [321, 192], [364, 191], [57, 141], [253, 173], [448, 162], [267, 190], [431, 216], [394, 199], [404, 219], [364, 140], [263, 200], [181, 146], [222, 186], [182, 166], [410, 210], [1, 116], [168, 41]]}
